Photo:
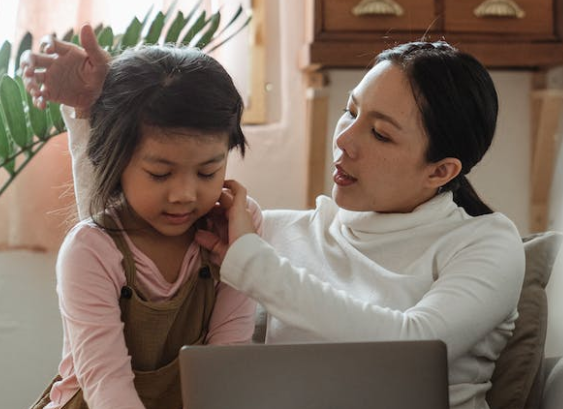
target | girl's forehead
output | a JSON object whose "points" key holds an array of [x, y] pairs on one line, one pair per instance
{"points": [[171, 133]]}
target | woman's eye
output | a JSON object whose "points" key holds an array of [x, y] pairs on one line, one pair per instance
{"points": [[380, 137], [159, 176], [349, 113]]}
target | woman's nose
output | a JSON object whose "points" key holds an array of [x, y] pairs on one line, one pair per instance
{"points": [[345, 142]]}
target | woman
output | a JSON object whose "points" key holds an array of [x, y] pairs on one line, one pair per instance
{"points": [[405, 249]]}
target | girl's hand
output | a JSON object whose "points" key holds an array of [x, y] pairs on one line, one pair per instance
{"points": [[231, 211], [66, 73]]}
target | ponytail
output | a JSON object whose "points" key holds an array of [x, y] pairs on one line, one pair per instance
{"points": [[465, 196]]}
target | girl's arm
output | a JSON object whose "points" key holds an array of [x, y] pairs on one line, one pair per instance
{"points": [[89, 276]]}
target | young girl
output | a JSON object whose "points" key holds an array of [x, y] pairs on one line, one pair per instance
{"points": [[133, 285], [405, 249]]}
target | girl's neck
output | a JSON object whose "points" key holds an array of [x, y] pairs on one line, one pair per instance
{"points": [[166, 252]]}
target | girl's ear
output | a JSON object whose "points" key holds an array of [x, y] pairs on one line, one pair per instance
{"points": [[443, 171]]}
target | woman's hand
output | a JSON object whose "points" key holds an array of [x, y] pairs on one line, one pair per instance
{"points": [[228, 221], [66, 73]]}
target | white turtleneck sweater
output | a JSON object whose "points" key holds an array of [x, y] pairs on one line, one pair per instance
{"points": [[437, 273]]}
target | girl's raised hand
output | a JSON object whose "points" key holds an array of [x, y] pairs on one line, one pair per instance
{"points": [[66, 73], [233, 212]]}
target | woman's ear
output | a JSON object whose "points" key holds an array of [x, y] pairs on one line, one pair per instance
{"points": [[443, 171]]}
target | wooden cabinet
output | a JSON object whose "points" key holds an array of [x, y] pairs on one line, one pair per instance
{"points": [[500, 33]]}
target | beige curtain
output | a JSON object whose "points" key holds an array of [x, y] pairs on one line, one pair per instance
{"points": [[38, 208]]}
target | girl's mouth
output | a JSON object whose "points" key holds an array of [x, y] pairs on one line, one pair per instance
{"points": [[178, 218]]}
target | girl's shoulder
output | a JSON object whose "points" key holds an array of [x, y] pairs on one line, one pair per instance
{"points": [[88, 246]]}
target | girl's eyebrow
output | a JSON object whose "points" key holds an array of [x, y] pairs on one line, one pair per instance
{"points": [[379, 115], [163, 161]]}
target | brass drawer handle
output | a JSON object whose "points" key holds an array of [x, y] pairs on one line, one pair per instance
{"points": [[378, 7], [499, 8]]}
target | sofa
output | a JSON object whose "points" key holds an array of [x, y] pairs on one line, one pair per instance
{"points": [[30, 331]]}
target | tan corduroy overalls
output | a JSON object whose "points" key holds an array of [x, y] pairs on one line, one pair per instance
{"points": [[155, 332]]}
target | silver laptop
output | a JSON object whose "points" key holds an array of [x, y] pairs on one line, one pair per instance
{"points": [[374, 375]]}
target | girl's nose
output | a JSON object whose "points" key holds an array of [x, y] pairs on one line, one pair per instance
{"points": [[183, 191]]}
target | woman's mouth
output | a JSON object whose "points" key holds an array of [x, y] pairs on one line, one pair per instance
{"points": [[341, 178]]}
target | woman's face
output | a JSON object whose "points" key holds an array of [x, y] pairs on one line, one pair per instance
{"points": [[380, 145]]}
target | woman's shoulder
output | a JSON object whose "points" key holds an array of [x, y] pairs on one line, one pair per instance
{"points": [[323, 213]]}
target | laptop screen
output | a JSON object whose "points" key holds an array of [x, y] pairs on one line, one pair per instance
{"points": [[386, 375]]}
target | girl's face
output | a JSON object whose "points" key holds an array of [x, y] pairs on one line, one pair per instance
{"points": [[379, 146], [175, 177]]}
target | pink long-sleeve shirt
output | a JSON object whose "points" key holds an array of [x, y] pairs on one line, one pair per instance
{"points": [[89, 280]]}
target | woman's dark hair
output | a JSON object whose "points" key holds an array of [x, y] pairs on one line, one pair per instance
{"points": [[458, 104], [160, 86]]}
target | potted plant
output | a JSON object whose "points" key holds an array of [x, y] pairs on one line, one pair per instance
{"points": [[25, 129]]}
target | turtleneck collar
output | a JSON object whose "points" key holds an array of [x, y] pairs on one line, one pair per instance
{"points": [[437, 208]]}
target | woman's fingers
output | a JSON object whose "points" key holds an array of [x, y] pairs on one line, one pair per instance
{"points": [[89, 42], [211, 242]]}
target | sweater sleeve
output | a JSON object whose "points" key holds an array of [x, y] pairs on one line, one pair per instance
{"points": [[474, 293], [233, 317], [78, 134], [88, 286]]}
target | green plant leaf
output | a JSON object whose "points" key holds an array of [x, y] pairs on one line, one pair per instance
{"points": [[175, 28], [146, 18], [196, 27], [224, 40], [68, 35], [214, 22], [75, 39], [98, 29], [56, 117], [23, 93], [170, 10], [5, 144], [105, 38], [5, 52], [12, 103], [25, 44], [232, 20], [192, 12], [155, 29], [132, 34]]}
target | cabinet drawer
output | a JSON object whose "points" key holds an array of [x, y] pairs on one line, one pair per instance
{"points": [[338, 16], [529, 17]]}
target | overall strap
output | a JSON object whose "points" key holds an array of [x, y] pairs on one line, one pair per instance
{"points": [[116, 234]]}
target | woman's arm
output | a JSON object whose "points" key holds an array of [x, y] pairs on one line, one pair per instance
{"points": [[66, 73], [233, 318], [476, 291], [88, 285], [73, 76]]}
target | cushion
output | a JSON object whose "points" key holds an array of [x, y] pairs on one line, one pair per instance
{"points": [[518, 376]]}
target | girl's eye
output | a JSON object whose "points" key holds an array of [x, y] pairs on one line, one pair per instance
{"points": [[207, 175], [380, 137], [158, 177]]}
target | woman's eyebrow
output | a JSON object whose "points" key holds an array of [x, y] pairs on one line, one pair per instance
{"points": [[379, 115]]}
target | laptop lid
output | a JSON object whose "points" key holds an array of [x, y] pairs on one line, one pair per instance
{"points": [[386, 375]]}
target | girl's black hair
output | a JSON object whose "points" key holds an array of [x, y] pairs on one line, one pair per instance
{"points": [[164, 87], [459, 105]]}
